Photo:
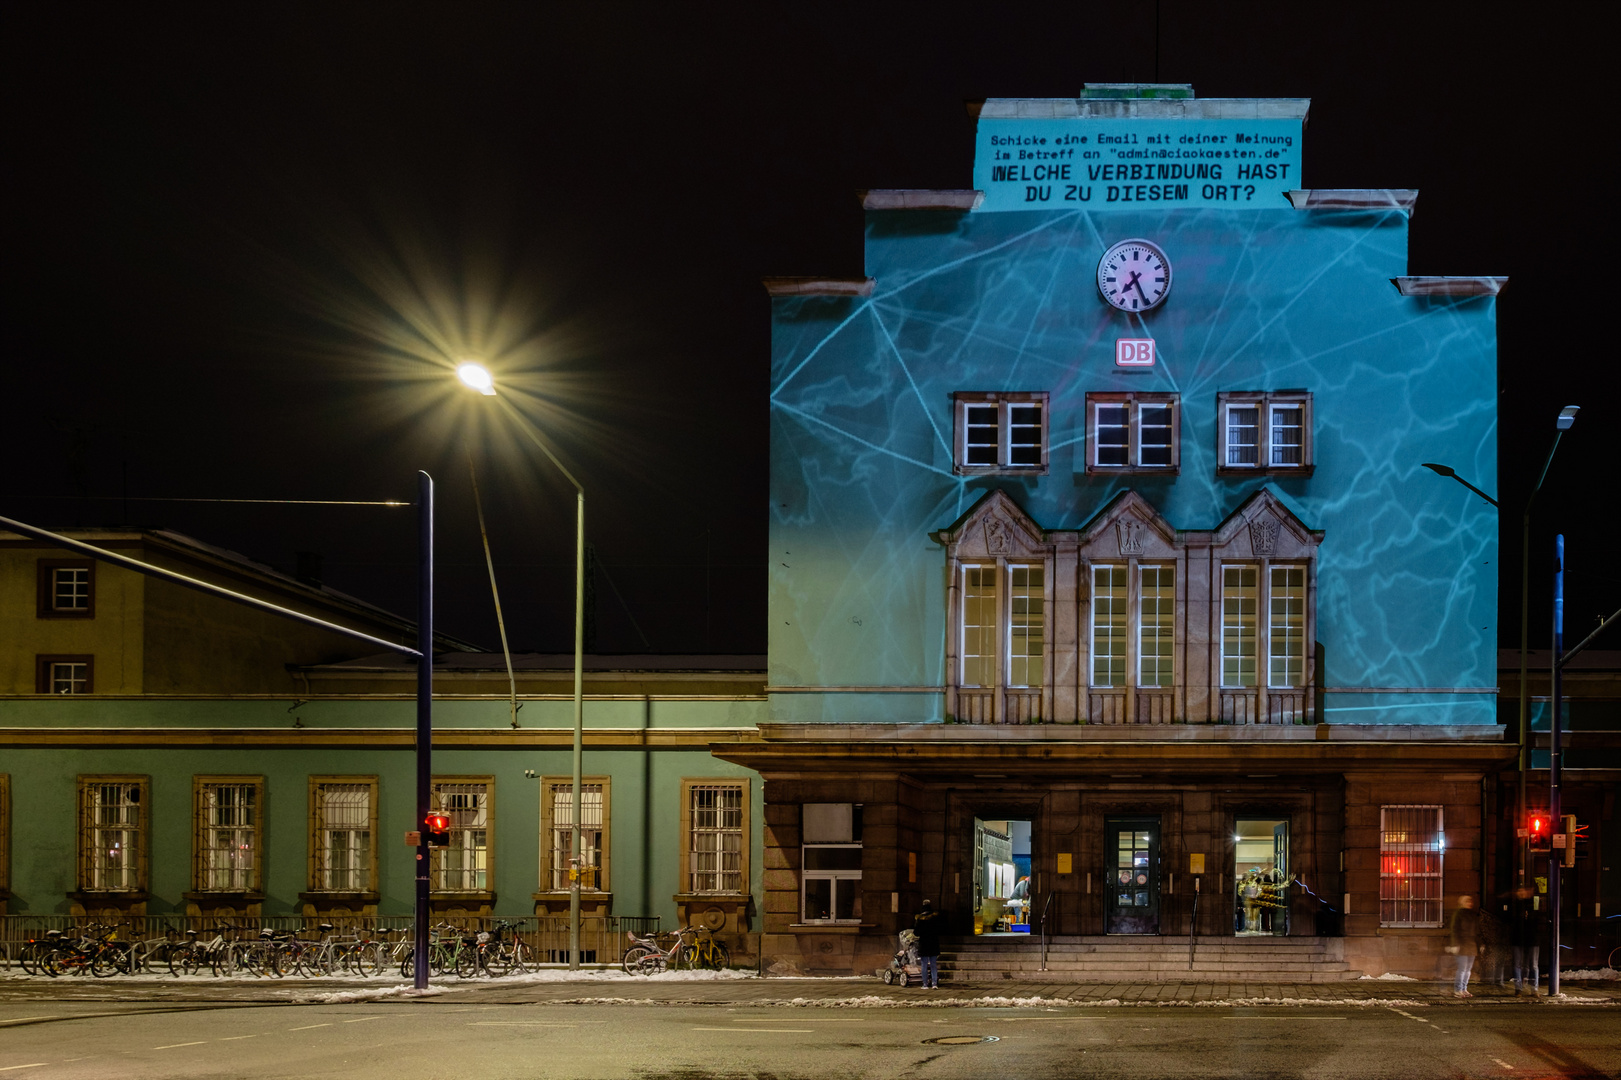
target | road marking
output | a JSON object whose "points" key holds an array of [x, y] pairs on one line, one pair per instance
{"points": [[1409, 1015], [1503, 1063], [1294, 1018], [849, 1021], [234, 1038], [309, 1027], [765, 1031], [21, 1019], [362, 1019], [34, 1065], [171, 1046], [518, 1023]]}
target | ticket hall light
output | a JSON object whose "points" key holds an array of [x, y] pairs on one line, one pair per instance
{"points": [[476, 377]]}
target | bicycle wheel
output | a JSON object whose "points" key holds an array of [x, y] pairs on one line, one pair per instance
{"points": [[498, 959], [108, 960], [408, 964], [468, 961], [523, 957], [313, 962], [185, 960], [720, 957], [32, 958], [368, 959], [226, 960]]}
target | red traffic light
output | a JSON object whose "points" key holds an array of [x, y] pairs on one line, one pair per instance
{"points": [[437, 823], [1539, 829]]}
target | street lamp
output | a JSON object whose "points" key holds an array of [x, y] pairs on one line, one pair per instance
{"points": [[477, 377]]}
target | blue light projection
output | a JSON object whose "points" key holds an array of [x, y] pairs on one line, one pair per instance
{"points": [[861, 441]]}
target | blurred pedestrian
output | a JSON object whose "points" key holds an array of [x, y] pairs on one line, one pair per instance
{"points": [[1463, 943], [1525, 936], [926, 924]]}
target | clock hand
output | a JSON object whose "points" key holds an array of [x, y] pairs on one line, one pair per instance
{"points": [[1138, 285], [1126, 288]]}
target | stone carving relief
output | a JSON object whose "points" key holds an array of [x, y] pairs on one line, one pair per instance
{"points": [[1264, 536], [996, 537], [1132, 533]]}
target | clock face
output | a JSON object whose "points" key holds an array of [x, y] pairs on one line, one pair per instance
{"points": [[1134, 275]]}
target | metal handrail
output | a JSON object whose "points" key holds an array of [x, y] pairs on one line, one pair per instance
{"points": [[1193, 925], [1044, 908]]}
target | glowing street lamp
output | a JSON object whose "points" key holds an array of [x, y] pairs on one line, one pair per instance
{"points": [[476, 377]]}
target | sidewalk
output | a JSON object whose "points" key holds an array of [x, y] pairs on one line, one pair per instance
{"points": [[557, 987]]}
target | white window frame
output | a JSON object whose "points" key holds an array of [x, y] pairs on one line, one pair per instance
{"points": [[557, 833], [1012, 620], [1233, 621], [1008, 406], [842, 882], [1116, 621], [715, 837], [1115, 618], [1405, 837], [113, 830], [1162, 639], [1268, 406], [343, 834], [466, 864], [228, 837], [1280, 633], [1136, 449]]}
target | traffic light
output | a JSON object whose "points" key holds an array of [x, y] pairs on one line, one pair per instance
{"points": [[436, 830], [1539, 830], [1570, 839]]}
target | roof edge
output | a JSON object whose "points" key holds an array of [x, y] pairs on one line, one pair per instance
{"points": [[1403, 199], [818, 286], [1449, 286], [920, 199]]}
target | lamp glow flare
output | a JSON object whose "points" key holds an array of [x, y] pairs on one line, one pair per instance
{"points": [[476, 377]]}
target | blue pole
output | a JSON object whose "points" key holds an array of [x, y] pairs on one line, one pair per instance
{"points": [[1556, 856], [424, 716]]}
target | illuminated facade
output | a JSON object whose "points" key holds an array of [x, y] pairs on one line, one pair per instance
{"points": [[1102, 552]]}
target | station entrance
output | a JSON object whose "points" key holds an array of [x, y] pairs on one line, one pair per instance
{"points": [[1260, 876], [1001, 876], [1131, 896]]}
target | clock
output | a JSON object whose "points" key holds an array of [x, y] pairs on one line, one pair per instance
{"points": [[1134, 275]]}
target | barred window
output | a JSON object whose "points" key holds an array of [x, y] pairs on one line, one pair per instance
{"points": [[715, 837], [559, 831], [1411, 848], [342, 842], [5, 831], [228, 834], [67, 589], [464, 864], [112, 833]]}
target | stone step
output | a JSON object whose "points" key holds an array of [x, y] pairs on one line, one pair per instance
{"points": [[1127, 977]]}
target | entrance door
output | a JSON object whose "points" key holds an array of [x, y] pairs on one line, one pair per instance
{"points": [[1261, 876], [1132, 896]]}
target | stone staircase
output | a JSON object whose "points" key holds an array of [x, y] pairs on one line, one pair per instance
{"points": [[1145, 959]]}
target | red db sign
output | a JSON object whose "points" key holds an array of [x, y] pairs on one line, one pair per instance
{"points": [[1134, 352]]}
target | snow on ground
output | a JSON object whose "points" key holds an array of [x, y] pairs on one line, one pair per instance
{"points": [[1587, 975], [1389, 976], [344, 997]]}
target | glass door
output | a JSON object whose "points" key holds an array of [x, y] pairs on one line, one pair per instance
{"points": [[1132, 896], [1261, 876]]}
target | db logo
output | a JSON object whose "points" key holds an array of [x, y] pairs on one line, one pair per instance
{"points": [[1134, 352]]}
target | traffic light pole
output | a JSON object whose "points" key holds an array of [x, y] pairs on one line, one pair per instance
{"points": [[424, 740], [1556, 856]]}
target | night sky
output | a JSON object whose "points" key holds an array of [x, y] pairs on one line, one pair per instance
{"points": [[244, 245]]}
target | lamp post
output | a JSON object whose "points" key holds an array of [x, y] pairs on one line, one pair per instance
{"points": [[477, 377], [1567, 417]]}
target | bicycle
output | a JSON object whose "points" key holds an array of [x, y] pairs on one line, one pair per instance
{"points": [[693, 947], [492, 953]]}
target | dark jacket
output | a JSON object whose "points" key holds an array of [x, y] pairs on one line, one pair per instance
{"points": [[1465, 935], [926, 924], [1528, 928]]}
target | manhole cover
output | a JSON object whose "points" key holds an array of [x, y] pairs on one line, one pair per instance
{"points": [[962, 1040]]}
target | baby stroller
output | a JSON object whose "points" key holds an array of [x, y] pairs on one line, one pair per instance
{"points": [[903, 966]]}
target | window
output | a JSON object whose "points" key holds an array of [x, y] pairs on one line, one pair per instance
{"points": [[1264, 432], [1025, 661], [831, 861], [1109, 614], [1284, 630], [715, 821], [1287, 627], [557, 812], [1156, 632], [463, 865], [1026, 623], [64, 674], [1411, 847], [228, 836], [1004, 432], [112, 833], [1238, 625], [343, 841], [1132, 433], [67, 589]]}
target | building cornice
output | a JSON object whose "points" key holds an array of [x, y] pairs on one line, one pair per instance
{"points": [[920, 199], [1449, 286], [818, 286], [1403, 199]]}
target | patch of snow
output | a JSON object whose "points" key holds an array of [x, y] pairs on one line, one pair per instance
{"points": [[1389, 976], [1588, 974], [344, 997]]}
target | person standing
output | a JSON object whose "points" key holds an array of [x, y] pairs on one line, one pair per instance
{"points": [[1525, 937], [926, 924], [1463, 942]]}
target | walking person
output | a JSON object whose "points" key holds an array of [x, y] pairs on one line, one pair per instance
{"points": [[926, 924], [1463, 942], [1525, 937]]}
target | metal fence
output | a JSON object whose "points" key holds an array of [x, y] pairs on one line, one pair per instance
{"points": [[602, 938]]}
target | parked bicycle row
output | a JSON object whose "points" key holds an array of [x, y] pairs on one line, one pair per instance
{"points": [[102, 950]]}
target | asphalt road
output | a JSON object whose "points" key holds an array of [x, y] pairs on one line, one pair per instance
{"points": [[424, 1039]]}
